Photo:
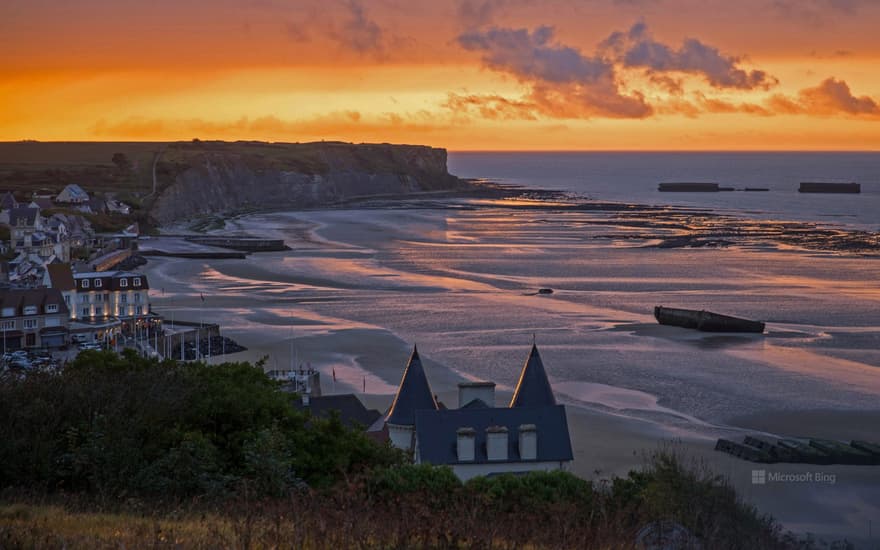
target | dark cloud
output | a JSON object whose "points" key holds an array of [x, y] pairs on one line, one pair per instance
{"points": [[562, 81], [358, 31], [637, 48], [534, 55], [476, 13]]}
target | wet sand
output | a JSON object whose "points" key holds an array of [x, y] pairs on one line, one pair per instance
{"points": [[361, 286]]}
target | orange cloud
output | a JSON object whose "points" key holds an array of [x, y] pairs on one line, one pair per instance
{"points": [[831, 97]]}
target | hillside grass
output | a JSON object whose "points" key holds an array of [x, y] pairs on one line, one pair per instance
{"points": [[415, 506], [30, 166]]}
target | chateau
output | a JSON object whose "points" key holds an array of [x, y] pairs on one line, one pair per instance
{"points": [[478, 438]]}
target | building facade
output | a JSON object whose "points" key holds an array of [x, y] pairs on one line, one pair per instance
{"points": [[103, 304], [33, 318], [102, 294], [478, 438]]}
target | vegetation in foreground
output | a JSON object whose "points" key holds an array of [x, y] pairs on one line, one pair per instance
{"points": [[121, 451]]}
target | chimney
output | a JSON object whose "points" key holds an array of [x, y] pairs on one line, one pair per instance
{"points": [[468, 391], [528, 442], [496, 442], [465, 444]]}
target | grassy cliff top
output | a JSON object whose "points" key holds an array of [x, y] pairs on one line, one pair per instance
{"points": [[29, 166]]}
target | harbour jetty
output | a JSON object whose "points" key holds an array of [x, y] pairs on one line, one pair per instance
{"points": [[823, 187], [689, 187], [208, 247], [770, 450], [705, 321], [244, 244]]}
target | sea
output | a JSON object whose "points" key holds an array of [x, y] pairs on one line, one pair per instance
{"points": [[460, 278], [632, 177]]}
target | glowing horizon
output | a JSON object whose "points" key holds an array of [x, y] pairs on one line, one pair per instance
{"points": [[473, 75]]}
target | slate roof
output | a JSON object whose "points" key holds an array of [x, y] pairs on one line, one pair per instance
{"points": [[533, 388], [43, 203], [110, 280], [61, 276], [436, 433], [413, 394], [40, 297], [351, 411], [8, 202], [72, 193], [24, 213]]}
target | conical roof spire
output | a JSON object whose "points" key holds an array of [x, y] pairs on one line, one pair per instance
{"points": [[413, 394], [533, 388]]}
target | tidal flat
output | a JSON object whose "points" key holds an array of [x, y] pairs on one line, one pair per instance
{"points": [[361, 285]]}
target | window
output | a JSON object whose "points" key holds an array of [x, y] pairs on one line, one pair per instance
{"points": [[83, 298], [137, 297], [85, 283], [30, 323], [67, 299], [85, 312], [139, 310], [123, 298], [123, 283], [8, 311], [30, 310], [98, 283], [7, 325], [137, 281], [52, 322], [51, 308], [99, 311]]}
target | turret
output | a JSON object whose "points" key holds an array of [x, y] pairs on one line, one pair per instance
{"points": [[533, 388], [414, 393]]}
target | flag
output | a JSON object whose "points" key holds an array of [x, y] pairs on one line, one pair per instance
{"points": [[334, 375]]}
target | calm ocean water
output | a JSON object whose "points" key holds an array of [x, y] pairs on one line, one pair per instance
{"points": [[633, 177]]}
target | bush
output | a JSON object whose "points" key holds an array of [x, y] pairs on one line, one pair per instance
{"points": [[116, 425]]}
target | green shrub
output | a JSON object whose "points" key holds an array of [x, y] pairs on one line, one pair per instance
{"points": [[115, 425]]}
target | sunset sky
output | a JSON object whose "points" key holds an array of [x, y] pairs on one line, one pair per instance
{"points": [[461, 74]]}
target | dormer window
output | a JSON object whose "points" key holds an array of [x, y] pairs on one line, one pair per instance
{"points": [[85, 283], [51, 308], [97, 283], [30, 310], [136, 281], [123, 283]]}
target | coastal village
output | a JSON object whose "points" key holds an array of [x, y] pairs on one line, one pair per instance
{"points": [[68, 288]]}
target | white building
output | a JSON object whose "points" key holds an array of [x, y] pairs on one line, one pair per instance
{"points": [[478, 438], [102, 303]]}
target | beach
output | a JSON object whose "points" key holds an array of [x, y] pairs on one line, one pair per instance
{"points": [[361, 286]]}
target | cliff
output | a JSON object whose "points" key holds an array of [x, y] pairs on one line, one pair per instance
{"points": [[209, 177]]}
